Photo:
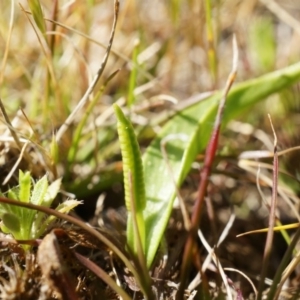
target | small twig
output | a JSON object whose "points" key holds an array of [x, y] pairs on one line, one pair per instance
{"points": [[217, 263], [226, 229], [284, 192], [180, 106], [10, 126], [245, 276], [196, 281], [270, 235], [91, 88], [262, 196], [13, 169], [264, 154]]}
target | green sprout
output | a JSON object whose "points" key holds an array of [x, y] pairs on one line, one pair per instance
{"points": [[133, 181], [23, 223]]}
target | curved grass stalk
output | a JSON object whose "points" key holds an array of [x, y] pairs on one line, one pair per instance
{"points": [[275, 228]]}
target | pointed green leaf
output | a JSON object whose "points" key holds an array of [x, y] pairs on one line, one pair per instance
{"points": [[133, 177], [196, 123], [25, 186], [52, 192], [39, 191], [133, 75], [68, 205], [132, 162], [13, 194]]}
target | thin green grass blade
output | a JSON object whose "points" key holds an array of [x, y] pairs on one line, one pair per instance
{"points": [[37, 13], [212, 58], [196, 123], [133, 75]]}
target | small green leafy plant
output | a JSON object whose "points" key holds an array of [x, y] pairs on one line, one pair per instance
{"points": [[23, 223]]}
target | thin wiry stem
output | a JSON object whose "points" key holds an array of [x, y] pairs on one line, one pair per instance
{"points": [[270, 235], [9, 125]]}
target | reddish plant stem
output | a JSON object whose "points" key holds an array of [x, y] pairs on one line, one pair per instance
{"points": [[204, 176]]}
